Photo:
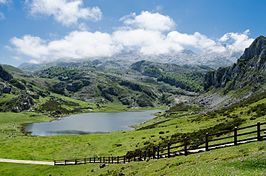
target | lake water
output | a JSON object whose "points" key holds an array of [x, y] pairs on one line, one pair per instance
{"points": [[90, 123]]}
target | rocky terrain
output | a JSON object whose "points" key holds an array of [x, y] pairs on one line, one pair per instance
{"points": [[249, 71], [229, 85], [21, 92], [98, 83], [142, 84]]}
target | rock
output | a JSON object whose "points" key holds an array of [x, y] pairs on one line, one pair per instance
{"points": [[144, 101], [131, 85], [18, 84], [250, 70], [22, 103], [59, 88], [126, 100], [75, 86], [7, 90], [5, 75], [2, 86], [34, 95], [255, 49]]}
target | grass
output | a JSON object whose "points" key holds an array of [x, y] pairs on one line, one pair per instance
{"points": [[15, 145], [246, 159], [116, 143], [6, 98], [10, 123]]}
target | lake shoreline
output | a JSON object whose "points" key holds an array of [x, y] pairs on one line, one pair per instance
{"points": [[108, 122]]}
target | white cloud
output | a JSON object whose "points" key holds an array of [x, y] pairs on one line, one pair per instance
{"points": [[149, 21], [142, 38], [144, 41], [30, 46], [66, 12], [75, 45], [236, 42], [196, 41]]}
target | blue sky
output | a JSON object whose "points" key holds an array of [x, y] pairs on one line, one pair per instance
{"points": [[211, 19]]}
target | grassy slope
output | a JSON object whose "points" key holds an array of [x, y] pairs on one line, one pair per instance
{"points": [[14, 145], [6, 97], [247, 159], [68, 147]]}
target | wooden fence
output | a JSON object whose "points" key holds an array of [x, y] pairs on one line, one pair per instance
{"points": [[222, 139]]}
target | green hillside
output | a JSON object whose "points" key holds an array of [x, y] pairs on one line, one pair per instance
{"points": [[232, 98]]}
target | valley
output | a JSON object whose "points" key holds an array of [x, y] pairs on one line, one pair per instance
{"points": [[196, 100]]}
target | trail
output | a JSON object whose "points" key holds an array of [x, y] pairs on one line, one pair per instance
{"points": [[51, 163], [26, 162]]}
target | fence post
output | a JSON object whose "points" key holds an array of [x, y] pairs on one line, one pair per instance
{"points": [[112, 160], [125, 159], [140, 155], [145, 153], [168, 149], [94, 159], [158, 152], [149, 154], [235, 136], [117, 160], [65, 162], [258, 131], [185, 147], [85, 161], [154, 152], [207, 142]]}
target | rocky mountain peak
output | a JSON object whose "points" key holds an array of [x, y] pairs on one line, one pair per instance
{"points": [[249, 71], [256, 49]]}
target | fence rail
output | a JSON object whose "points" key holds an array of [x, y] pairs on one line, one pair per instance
{"points": [[211, 142]]}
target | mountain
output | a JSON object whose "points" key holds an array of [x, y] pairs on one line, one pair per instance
{"points": [[125, 59], [245, 78], [186, 77], [96, 84], [249, 71], [20, 91], [185, 57], [142, 84]]}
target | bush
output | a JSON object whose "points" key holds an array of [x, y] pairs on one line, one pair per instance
{"points": [[144, 101], [259, 109]]}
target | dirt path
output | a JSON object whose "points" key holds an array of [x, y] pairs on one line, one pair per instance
{"points": [[26, 162]]}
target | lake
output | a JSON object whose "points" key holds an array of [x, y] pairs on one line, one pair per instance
{"points": [[86, 123]]}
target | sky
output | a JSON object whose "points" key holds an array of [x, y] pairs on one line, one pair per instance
{"points": [[40, 31]]}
